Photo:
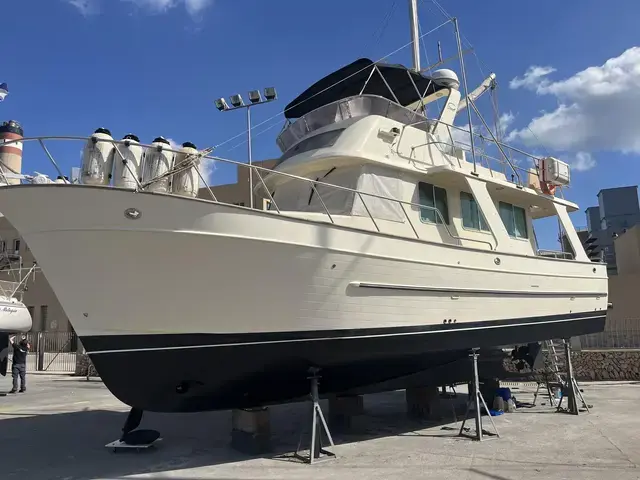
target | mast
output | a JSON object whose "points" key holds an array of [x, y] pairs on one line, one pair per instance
{"points": [[415, 36]]}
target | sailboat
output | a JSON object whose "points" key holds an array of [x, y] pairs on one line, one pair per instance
{"points": [[14, 315], [385, 249]]}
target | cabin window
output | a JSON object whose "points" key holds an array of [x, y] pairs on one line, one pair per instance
{"points": [[514, 219], [435, 197], [471, 215]]}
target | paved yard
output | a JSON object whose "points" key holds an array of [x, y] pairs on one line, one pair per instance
{"points": [[58, 429]]}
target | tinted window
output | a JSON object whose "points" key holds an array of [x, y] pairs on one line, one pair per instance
{"points": [[471, 215], [434, 197], [514, 219]]}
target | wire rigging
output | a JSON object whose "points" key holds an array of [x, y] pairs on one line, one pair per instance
{"points": [[329, 87], [379, 32]]}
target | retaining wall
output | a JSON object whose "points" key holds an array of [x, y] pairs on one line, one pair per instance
{"points": [[606, 364]]}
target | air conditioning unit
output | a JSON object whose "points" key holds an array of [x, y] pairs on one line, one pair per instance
{"points": [[554, 171]]}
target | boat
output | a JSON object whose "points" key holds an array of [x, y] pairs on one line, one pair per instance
{"points": [[385, 249], [14, 315]]}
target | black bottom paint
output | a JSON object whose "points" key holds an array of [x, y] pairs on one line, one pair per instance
{"points": [[219, 372]]}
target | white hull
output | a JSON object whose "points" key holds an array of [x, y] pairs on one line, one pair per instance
{"points": [[14, 316], [195, 305], [190, 266]]}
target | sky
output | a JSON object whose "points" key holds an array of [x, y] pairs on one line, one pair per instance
{"points": [[568, 77]]}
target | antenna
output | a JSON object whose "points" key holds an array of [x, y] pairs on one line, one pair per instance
{"points": [[415, 38]]}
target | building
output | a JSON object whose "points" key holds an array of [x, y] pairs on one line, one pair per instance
{"points": [[622, 329], [238, 193], [46, 311], [618, 210]]}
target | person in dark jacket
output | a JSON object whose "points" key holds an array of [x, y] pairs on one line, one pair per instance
{"points": [[19, 367]]}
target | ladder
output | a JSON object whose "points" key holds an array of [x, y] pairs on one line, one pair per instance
{"points": [[552, 371], [558, 373]]}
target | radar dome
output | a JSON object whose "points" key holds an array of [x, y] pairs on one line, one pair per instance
{"points": [[446, 78]]}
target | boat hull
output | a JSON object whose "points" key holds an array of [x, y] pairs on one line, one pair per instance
{"points": [[14, 316], [188, 305], [196, 372]]}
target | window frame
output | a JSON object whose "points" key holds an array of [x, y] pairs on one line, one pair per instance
{"points": [[445, 215], [513, 212], [481, 219]]}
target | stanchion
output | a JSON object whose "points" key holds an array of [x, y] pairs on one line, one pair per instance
{"points": [[476, 400], [318, 425]]}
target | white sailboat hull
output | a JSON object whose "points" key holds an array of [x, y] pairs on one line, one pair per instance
{"points": [[186, 280], [14, 316]]}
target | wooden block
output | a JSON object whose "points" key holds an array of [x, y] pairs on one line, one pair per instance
{"points": [[251, 431]]}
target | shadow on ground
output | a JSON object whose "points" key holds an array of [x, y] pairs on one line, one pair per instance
{"points": [[72, 445]]}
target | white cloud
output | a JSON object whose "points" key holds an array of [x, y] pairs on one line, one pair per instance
{"points": [[193, 7], [597, 108], [174, 145], [86, 7], [582, 162], [533, 78], [505, 121], [207, 166], [461, 135]]}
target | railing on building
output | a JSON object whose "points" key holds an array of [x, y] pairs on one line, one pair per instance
{"points": [[51, 352]]}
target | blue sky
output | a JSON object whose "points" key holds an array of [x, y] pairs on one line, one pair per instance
{"points": [[154, 67]]}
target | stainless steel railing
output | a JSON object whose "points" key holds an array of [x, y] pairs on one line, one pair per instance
{"points": [[258, 171]]}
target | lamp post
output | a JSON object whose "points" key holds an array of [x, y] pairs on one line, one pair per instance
{"points": [[4, 91], [236, 102]]}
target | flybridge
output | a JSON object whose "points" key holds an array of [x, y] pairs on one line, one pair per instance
{"points": [[365, 77]]}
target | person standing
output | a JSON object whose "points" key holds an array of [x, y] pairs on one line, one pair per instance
{"points": [[19, 367]]}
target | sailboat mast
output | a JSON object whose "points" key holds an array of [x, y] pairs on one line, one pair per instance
{"points": [[415, 36]]}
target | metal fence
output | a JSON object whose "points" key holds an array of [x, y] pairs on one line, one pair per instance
{"points": [[617, 335], [51, 352]]}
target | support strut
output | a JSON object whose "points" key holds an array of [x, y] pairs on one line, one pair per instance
{"points": [[318, 425], [476, 400]]}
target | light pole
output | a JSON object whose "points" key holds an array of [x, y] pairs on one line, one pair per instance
{"points": [[4, 91], [236, 101]]}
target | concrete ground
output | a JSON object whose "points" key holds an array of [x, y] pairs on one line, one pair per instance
{"points": [[58, 429]]}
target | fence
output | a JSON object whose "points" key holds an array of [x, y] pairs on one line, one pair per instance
{"points": [[618, 335], [51, 352]]}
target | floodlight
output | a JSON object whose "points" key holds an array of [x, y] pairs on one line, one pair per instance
{"points": [[221, 104], [254, 96], [270, 93], [236, 100]]}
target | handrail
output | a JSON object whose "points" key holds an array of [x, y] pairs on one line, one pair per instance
{"points": [[314, 183], [258, 169], [336, 104], [482, 154], [555, 253], [484, 138]]}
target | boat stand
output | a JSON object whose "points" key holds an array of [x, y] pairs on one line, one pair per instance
{"points": [[570, 389], [317, 420], [477, 400], [133, 439]]}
